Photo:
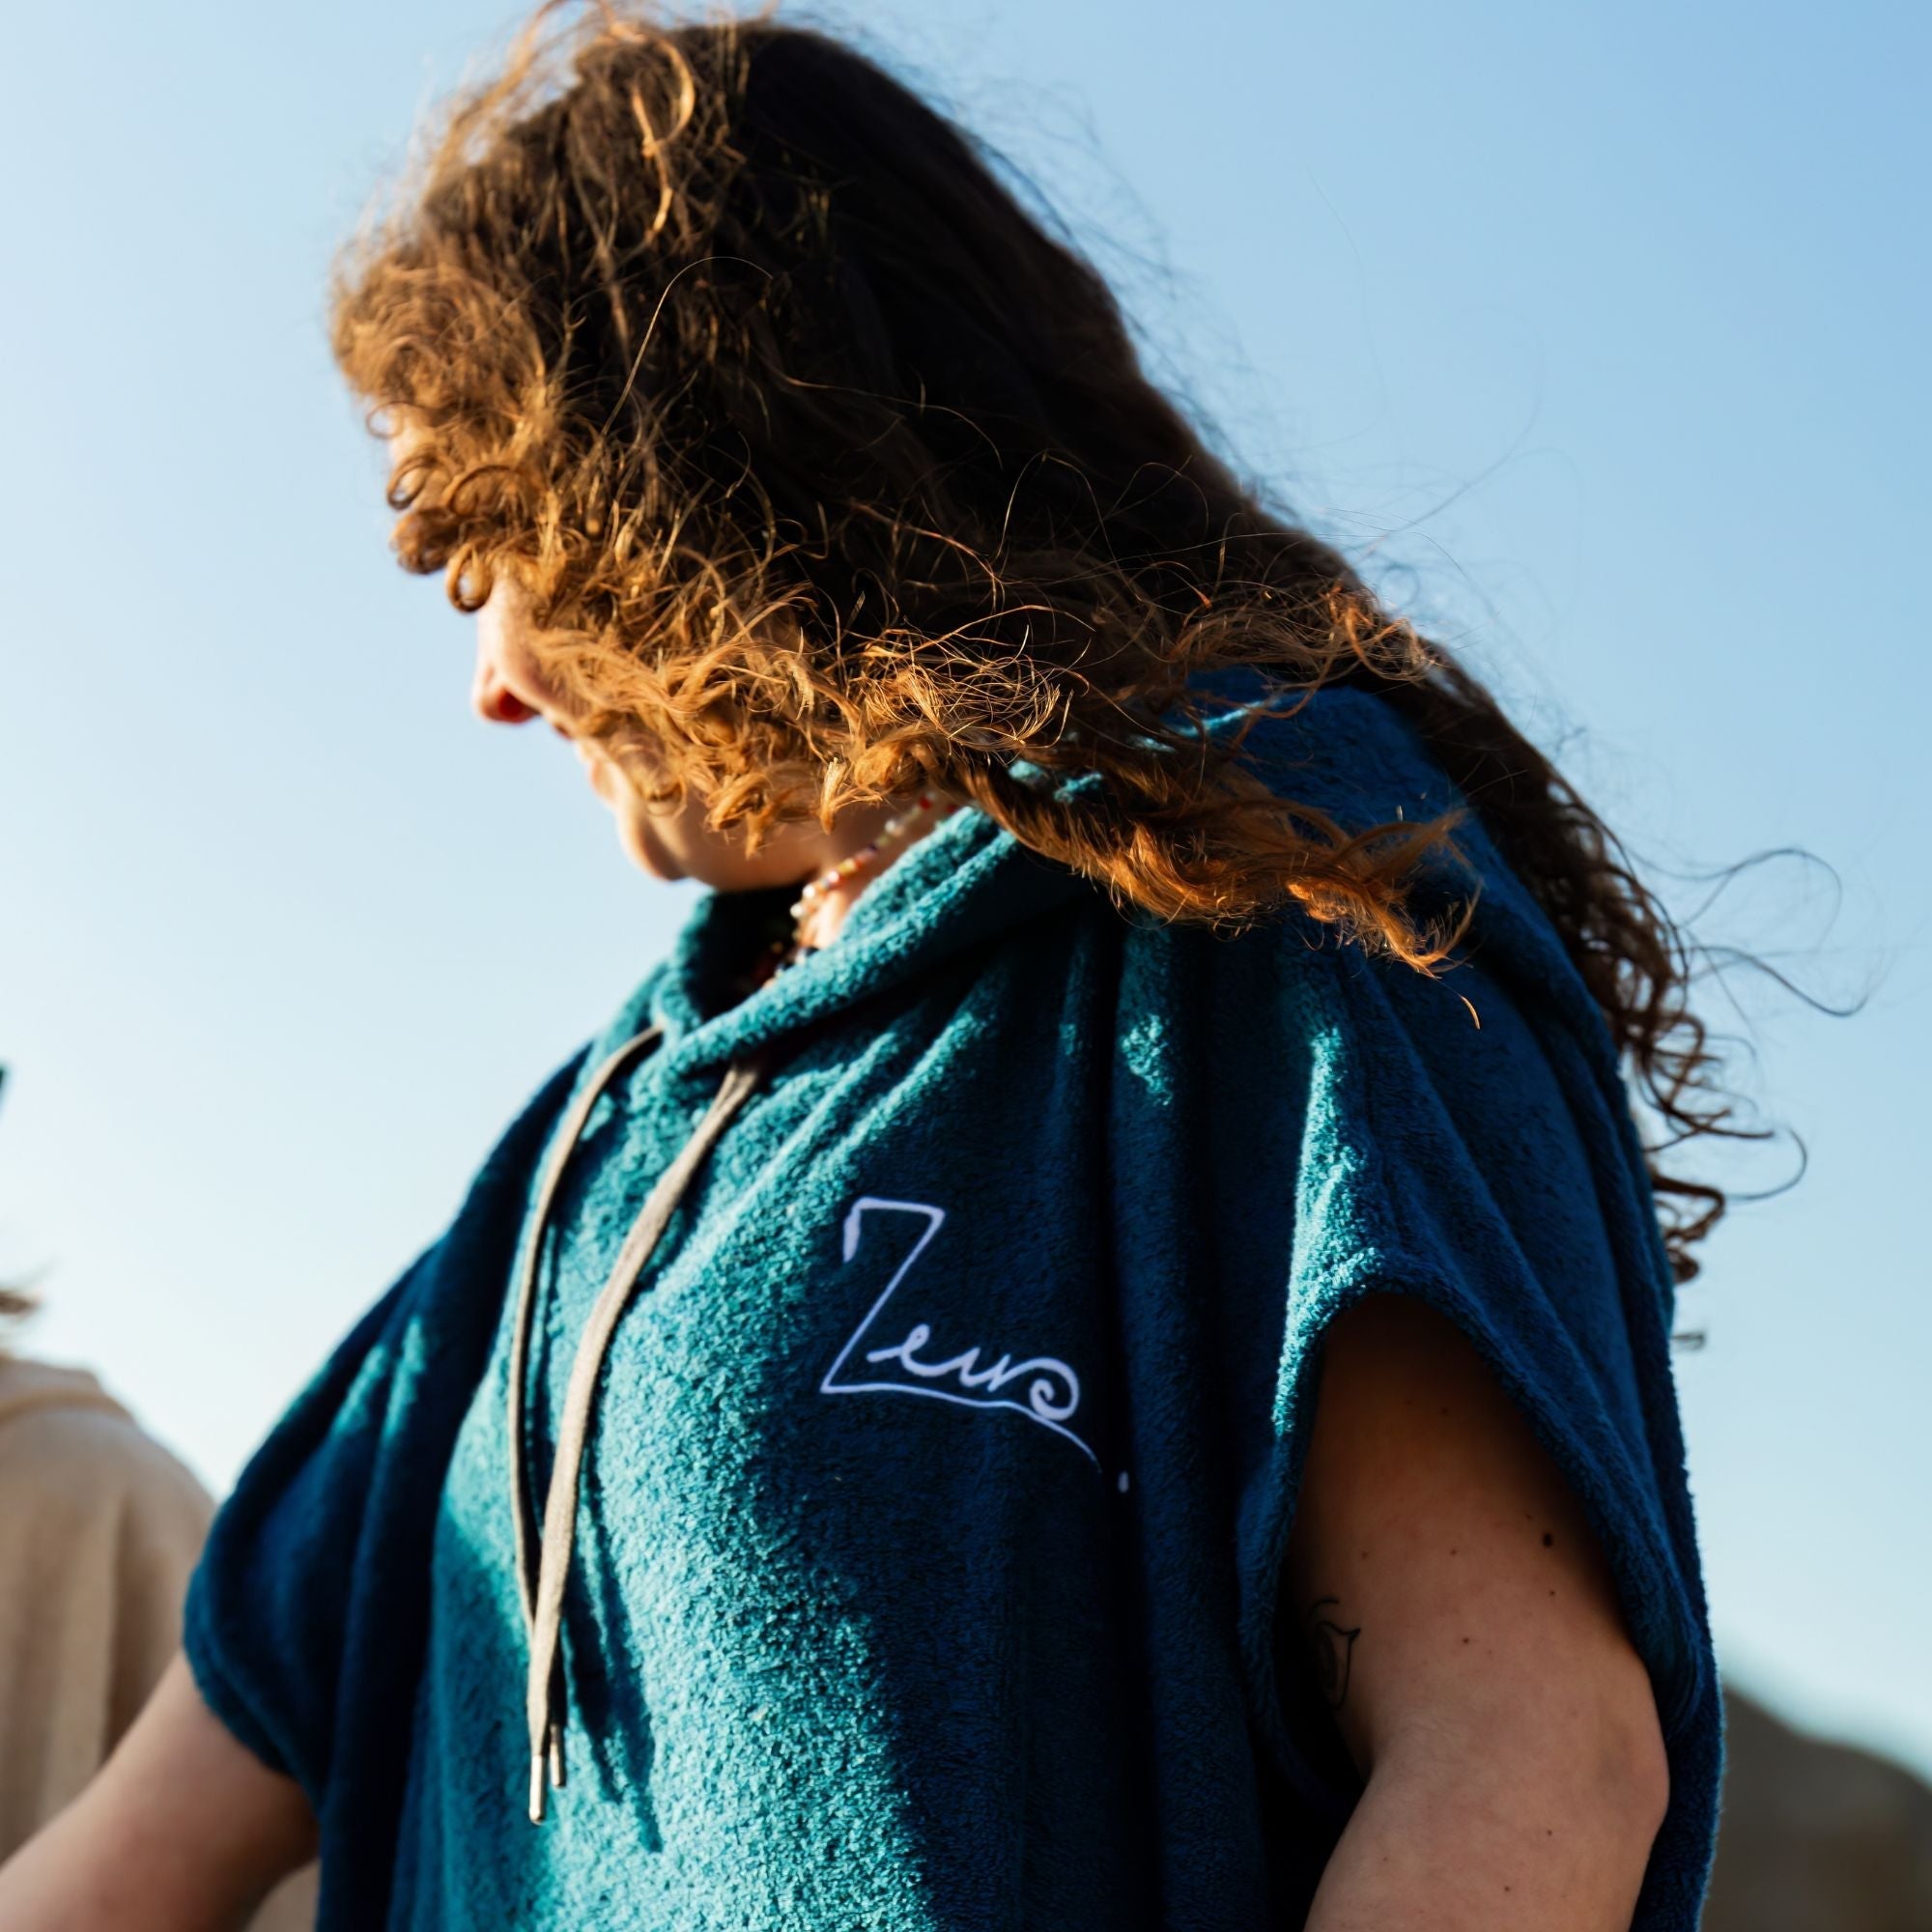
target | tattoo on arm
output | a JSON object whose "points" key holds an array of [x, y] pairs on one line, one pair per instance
{"points": [[1333, 1647]]}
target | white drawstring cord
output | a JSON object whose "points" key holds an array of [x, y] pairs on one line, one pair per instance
{"points": [[544, 1702]]}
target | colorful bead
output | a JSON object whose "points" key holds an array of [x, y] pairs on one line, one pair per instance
{"points": [[814, 891]]}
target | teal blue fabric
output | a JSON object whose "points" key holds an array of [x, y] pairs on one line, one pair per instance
{"points": [[932, 1519]]}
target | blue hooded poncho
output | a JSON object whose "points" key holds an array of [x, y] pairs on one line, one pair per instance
{"points": [[930, 1491]]}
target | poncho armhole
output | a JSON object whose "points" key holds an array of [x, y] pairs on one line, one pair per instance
{"points": [[272, 1588], [1391, 1200], [306, 1618]]}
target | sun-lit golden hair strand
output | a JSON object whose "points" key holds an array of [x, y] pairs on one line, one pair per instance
{"points": [[832, 474]]}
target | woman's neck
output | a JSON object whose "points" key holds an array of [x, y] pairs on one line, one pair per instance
{"points": [[826, 900]]}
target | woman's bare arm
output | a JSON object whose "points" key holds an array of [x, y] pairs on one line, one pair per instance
{"points": [[1466, 1632], [183, 1830]]}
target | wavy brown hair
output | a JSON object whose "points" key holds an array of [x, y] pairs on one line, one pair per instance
{"points": [[833, 473]]}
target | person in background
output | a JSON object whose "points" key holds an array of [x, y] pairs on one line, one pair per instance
{"points": [[101, 1529]]}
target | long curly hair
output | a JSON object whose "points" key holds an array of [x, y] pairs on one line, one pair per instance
{"points": [[832, 474]]}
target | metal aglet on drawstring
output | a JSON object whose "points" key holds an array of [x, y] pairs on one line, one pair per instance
{"points": [[548, 1551], [542, 1763]]}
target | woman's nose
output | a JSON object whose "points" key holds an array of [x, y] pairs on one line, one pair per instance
{"points": [[496, 703]]}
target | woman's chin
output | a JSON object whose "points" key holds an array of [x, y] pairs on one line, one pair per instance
{"points": [[646, 852]]}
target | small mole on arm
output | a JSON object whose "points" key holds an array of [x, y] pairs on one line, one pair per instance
{"points": [[1549, 1540]]}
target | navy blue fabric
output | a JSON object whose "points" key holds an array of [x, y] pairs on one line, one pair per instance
{"points": [[934, 1515]]}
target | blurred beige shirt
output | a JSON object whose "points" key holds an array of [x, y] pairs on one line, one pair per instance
{"points": [[99, 1528]]}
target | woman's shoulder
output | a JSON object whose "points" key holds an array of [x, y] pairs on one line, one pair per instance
{"points": [[1341, 748], [1350, 754]]}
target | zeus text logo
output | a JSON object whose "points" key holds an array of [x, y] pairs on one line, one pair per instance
{"points": [[1042, 1388]]}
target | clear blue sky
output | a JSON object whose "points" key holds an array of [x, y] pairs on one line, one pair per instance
{"points": [[1597, 334]]}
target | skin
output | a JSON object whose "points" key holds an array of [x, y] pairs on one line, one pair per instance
{"points": [[511, 687], [182, 1829], [1458, 1610], [1442, 1578]]}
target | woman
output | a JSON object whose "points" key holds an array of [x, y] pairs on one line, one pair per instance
{"points": [[1091, 1349]]}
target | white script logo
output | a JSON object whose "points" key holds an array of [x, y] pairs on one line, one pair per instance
{"points": [[1051, 1389]]}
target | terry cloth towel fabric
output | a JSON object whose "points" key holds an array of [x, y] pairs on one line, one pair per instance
{"points": [[931, 1507]]}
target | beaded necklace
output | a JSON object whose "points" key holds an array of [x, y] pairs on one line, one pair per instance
{"points": [[819, 888]]}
